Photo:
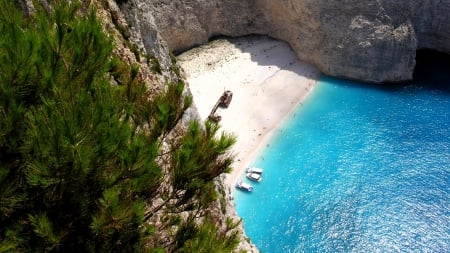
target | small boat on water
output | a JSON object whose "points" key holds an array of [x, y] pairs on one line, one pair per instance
{"points": [[254, 176], [255, 170], [244, 186]]}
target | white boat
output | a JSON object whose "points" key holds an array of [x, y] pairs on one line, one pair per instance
{"points": [[254, 176], [244, 186], [255, 170]]}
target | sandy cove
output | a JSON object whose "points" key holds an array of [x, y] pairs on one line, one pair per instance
{"points": [[267, 81]]}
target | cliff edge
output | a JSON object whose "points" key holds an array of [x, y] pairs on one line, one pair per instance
{"points": [[367, 40]]}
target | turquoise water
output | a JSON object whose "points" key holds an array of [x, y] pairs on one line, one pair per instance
{"points": [[357, 168]]}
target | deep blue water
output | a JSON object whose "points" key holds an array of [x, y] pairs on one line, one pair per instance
{"points": [[357, 168]]}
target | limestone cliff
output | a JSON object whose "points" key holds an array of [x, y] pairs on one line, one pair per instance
{"points": [[367, 40]]}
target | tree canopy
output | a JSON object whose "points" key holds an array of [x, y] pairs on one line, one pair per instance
{"points": [[83, 158]]}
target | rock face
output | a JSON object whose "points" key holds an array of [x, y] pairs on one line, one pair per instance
{"points": [[367, 40]]}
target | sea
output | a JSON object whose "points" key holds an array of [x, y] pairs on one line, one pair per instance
{"points": [[358, 168]]}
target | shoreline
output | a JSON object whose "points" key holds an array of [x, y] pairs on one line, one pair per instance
{"points": [[241, 164], [268, 83]]}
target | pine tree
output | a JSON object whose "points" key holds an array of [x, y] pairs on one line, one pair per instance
{"points": [[80, 157]]}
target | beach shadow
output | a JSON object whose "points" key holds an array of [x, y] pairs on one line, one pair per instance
{"points": [[261, 49]]}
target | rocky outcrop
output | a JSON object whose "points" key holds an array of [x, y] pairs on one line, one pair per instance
{"points": [[366, 40]]}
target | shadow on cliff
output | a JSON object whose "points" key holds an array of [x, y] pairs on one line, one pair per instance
{"points": [[432, 70], [261, 48]]}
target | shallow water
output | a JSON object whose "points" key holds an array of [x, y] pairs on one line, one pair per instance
{"points": [[357, 168]]}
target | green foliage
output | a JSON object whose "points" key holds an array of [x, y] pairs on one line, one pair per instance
{"points": [[135, 49], [201, 158], [174, 68], [205, 237], [44, 229], [79, 155], [155, 65], [168, 109], [123, 30], [80, 172], [198, 160]]}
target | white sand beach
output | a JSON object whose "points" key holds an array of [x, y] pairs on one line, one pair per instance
{"points": [[267, 81]]}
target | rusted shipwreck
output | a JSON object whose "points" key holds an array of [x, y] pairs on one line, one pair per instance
{"points": [[224, 101]]}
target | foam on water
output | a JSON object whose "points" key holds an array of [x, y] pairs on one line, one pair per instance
{"points": [[357, 168]]}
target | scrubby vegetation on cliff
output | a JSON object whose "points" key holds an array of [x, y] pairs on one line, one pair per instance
{"points": [[89, 160]]}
